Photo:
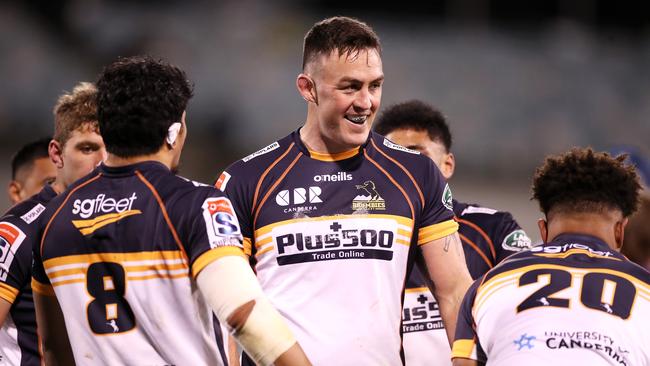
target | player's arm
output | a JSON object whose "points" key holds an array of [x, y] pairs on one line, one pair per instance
{"points": [[51, 331], [445, 262], [232, 290], [466, 362], [5, 306]]}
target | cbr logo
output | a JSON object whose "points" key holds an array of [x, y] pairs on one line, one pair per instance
{"points": [[284, 198]]}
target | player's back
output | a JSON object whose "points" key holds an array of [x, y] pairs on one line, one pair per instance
{"points": [[119, 253], [570, 301]]}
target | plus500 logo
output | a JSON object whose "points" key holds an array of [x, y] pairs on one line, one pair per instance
{"points": [[367, 238], [101, 204]]}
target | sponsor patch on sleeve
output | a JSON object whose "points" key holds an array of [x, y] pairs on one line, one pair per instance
{"points": [[10, 239], [516, 241], [447, 198], [262, 151], [221, 223], [394, 146], [33, 214], [223, 180]]}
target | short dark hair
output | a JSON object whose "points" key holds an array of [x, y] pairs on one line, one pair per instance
{"points": [[25, 156], [139, 98], [343, 34], [416, 115], [582, 180]]}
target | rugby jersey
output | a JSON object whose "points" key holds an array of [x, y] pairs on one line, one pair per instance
{"points": [[488, 236], [332, 236], [18, 232], [121, 250], [570, 301]]}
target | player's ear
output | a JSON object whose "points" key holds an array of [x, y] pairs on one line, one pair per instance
{"points": [[55, 150], [448, 165], [543, 229], [307, 88], [14, 191], [619, 233]]}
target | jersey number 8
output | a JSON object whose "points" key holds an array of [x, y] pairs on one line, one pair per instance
{"points": [[108, 312]]}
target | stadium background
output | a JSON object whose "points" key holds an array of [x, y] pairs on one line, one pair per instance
{"points": [[517, 80]]}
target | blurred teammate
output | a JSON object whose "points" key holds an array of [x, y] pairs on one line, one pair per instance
{"points": [[573, 300], [334, 215], [488, 235], [31, 170], [76, 149], [148, 255], [637, 235]]}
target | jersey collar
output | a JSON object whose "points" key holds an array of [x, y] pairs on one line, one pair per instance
{"points": [[328, 157]]}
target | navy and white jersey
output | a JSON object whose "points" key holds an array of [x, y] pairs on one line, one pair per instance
{"points": [[572, 301], [488, 236], [120, 251], [332, 237], [18, 232]]}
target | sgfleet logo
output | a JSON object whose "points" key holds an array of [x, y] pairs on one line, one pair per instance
{"points": [[299, 196], [338, 177], [371, 200], [558, 249], [322, 240], [110, 210], [421, 311], [101, 204]]}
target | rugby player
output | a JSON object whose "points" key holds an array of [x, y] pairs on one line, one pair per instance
{"points": [[147, 255], [488, 235], [31, 170], [334, 215], [574, 299], [75, 150]]}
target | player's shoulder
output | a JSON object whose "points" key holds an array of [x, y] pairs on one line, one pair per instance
{"points": [[498, 225], [27, 212], [385, 151], [256, 162]]}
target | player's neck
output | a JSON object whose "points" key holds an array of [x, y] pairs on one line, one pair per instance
{"points": [[315, 141], [161, 156], [604, 227]]}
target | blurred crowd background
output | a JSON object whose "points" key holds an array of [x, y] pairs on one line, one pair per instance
{"points": [[517, 80]]}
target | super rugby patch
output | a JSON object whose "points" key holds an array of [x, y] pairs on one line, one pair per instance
{"points": [[221, 223], [10, 239]]}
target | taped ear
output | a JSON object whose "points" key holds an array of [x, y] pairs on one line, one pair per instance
{"points": [[172, 133]]}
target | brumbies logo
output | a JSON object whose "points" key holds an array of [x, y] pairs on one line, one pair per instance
{"points": [[371, 200], [221, 222], [10, 239], [447, 198]]}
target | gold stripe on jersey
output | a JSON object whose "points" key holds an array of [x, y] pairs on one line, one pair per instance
{"points": [[401, 220], [88, 227], [573, 252], [8, 293], [417, 289], [41, 288], [212, 255], [263, 242], [333, 157], [248, 245], [436, 231], [463, 348], [164, 255], [265, 250]]}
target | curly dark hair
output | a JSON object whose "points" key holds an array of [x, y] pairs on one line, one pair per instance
{"points": [[343, 34], [582, 180], [416, 115], [139, 98]]}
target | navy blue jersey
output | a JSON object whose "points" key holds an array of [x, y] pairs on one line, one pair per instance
{"points": [[573, 300], [120, 250], [332, 237], [488, 237], [18, 232]]}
